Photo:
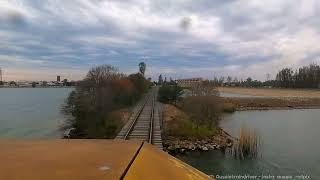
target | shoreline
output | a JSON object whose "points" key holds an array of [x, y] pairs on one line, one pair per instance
{"points": [[254, 103], [38, 87], [272, 92], [276, 108], [175, 143], [178, 145], [222, 140]]}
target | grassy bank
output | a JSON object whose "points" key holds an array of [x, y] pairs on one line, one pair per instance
{"points": [[177, 123], [181, 134]]}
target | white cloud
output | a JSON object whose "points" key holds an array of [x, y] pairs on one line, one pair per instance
{"points": [[254, 37], [19, 60], [94, 40], [47, 74]]}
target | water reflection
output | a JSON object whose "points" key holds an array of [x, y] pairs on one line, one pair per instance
{"points": [[290, 145]]}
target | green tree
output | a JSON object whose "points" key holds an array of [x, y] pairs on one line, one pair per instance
{"points": [[304, 77], [33, 84], [65, 82], [142, 68], [44, 83], [160, 80], [12, 83], [170, 93], [139, 82]]}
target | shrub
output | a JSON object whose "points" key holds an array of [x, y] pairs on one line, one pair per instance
{"points": [[229, 107], [203, 105], [203, 110], [183, 126], [170, 93]]}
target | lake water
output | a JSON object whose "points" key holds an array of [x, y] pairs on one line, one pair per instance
{"points": [[31, 112], [290, 137], [290, 144]]}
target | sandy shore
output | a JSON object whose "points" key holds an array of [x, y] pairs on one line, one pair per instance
{"points": [[266, 103], [266, 92]]}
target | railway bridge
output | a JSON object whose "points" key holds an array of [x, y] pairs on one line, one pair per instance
{"points": [[145, 122], [96, 159]]}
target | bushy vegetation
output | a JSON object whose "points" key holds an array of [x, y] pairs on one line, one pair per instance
{"points": [[229, 107], [203, 105], [104, 90], [201, 109], [170, 93], [185, 127], [179, 124]]}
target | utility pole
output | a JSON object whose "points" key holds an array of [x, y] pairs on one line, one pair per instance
{"points": [[0, 74]]}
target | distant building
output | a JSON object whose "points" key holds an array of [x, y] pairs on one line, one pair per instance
{"points": [[58, 78], [188, 82], [22, 84]]}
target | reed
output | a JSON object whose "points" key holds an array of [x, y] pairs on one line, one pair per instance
{"points": [[248, 144]]}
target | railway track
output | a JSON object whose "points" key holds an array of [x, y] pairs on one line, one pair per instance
{"points": [[144, 123]]}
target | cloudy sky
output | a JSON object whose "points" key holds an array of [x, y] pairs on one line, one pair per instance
{"points": [[179, 38]]}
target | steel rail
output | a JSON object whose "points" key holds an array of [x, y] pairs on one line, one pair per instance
{"points": [[151, 121], [135, 119]]}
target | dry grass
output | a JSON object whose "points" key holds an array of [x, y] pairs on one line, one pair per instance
{"points": [[229, 107], [248, 144], [274, 92], [270, 103], [124, 114], [178, 124]]}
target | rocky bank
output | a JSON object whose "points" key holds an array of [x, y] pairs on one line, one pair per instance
{"points": [[178, 145]]}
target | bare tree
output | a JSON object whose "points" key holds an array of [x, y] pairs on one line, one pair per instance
{"points": [[102, 75], [204, 88]]}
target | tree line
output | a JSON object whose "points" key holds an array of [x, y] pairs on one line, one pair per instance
{"points": [[303, 77]]}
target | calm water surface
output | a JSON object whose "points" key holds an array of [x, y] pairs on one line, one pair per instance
{"points": [[31, 112], [290, 137], [290, 144]]}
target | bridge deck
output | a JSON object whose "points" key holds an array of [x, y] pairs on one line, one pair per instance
{"points": [[66, 159]]}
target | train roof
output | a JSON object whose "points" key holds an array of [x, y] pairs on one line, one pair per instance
{"points": [[67, 159]]}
